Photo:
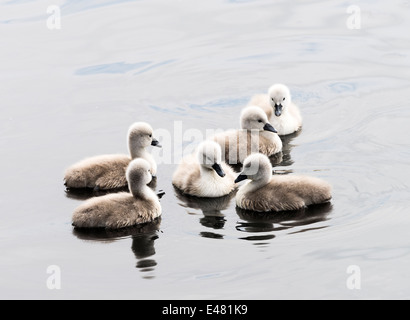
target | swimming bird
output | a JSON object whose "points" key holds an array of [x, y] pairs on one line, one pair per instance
{"points": [[256, 135], [119, 210], [203, 174], [108, 171], [282, 113], [265, 193]]}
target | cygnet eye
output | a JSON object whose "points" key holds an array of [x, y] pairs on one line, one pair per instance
{"points": [[284, 99], [150, 135], [260, 121], [272, 99]]}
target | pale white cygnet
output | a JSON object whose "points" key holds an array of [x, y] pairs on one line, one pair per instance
{"points": [[108, 171], [282, 113], [265, 193], [119, 210], [204, 174], [256, 135]]}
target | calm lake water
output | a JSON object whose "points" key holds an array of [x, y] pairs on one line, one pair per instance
{"points": [[187, 67]]}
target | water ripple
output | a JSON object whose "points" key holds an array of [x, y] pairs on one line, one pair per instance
{"points": [[375, 253], [160, 64], [340, 87], [111, 68], [219, 103], [74, 6]]}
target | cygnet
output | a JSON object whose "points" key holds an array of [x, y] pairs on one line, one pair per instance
{"points": [[119, 210], [265, 193], [204, 174], [282, 113], [106, 172]]}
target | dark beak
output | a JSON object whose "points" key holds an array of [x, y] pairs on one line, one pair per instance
{"points": [[278, 110], [218, 170], [269, 127], [155, 143], [241, 177]]}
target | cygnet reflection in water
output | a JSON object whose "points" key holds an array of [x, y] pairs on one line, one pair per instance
{"points": [[260, 222], [287, 147], [211, 208], [143, 241]]}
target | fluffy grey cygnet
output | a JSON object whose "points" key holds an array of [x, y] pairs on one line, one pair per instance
{"points": [[265, 193], [119, 210], [106, 172], [257, 135]]}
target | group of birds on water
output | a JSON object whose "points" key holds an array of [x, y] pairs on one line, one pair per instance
{"points": [[207, 173]]}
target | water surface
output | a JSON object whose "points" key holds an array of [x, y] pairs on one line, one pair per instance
{"points": [[182, 65]]}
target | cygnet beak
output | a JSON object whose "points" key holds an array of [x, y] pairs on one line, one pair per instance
{"points": [[155, 143], [218, 170], [241, 177], [269, 127], [160, 194], [278, 110]]}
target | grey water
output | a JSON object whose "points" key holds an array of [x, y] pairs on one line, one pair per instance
{"points": [[188, 67]]}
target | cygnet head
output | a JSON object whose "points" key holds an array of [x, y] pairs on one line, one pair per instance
{"points": [[280, 98], [210, 157], [256, 167], [140, 135], [138, 175], [254, 118]]}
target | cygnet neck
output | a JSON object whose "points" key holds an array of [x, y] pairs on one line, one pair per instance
{"points": [[140, 191], [136, 150], [262, 180]]}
